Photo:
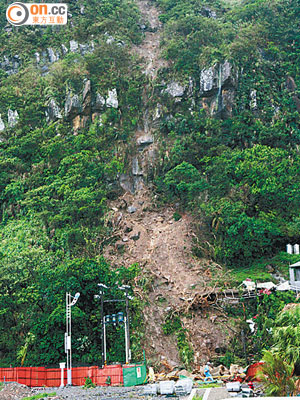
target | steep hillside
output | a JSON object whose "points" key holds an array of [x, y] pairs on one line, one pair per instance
{"points": [[153, 143], [162, 246]]}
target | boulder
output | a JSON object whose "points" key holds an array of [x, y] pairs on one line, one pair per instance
{"points": [[99, 102], [44, 69], [12, 118], [226, 69], [207, 80], [174, 89], [145, 140], [92, 46], [87, 97], [11, 64], [131, 209], [110, 39], [208, 13], [185, 373], [135, 236], [253, 99], [158, 112], [37, 57], [73, 105], [126, 183], [190, 90], [173, 374], [2, 125], [136, 169], [73, 46], [52, 55], [87, 89], [53, 113], [84, 49], [112, 99], [64, 49], [290, 84]]}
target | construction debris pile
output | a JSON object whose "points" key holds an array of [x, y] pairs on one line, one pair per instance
{"points": [[218, 373], [181, 382]]}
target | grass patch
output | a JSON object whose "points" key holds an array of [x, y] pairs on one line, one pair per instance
{"points": [[40, 396], [258, 270], [209, 385], [1, 385]]}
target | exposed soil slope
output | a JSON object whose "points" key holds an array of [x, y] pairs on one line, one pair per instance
{"points": [[149, 50], [163, 247]]}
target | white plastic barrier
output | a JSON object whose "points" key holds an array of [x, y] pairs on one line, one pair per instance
{"points": [[166, 387], [183, 387], [151, 390]]}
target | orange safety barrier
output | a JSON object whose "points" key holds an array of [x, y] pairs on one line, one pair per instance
{"points": [[110, 375], [8, 374]]}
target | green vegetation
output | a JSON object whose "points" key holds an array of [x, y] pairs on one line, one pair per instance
{"points": [[286, 335], [276, 376], [40, 396], [260, 270], [204, 385], [35, 277], [88, 384], [173, 325], [197, 397]]}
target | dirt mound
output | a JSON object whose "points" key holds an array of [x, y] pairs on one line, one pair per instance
{"points": [[14, 391]]}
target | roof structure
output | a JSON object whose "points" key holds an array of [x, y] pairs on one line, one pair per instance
{"points": [[297, 264]]}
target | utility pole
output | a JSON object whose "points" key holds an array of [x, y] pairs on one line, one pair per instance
{"points": [[127, 332], [68, 334], [103, 344], [105, 321]]}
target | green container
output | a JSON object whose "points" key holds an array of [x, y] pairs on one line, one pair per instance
{"points": [[134, 375]]}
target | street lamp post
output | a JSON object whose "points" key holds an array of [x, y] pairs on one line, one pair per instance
{"points": [[68, 334]]}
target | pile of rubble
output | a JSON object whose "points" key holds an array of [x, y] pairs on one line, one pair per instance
{"points": [[218, 373], [14, 391], [181, 382], [17, 391]]}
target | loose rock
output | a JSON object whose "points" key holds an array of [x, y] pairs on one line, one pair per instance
{"points": [[12, 117], [131, 209]]}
